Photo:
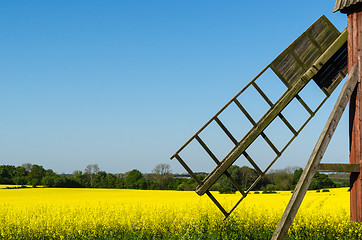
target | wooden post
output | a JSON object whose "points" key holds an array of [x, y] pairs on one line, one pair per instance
{"points": [[354, 19]]}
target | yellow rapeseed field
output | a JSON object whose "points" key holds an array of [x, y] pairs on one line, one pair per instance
{"points": [[53, 213]]}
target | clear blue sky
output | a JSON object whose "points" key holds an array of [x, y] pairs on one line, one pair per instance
{"points": [[125, 83]]}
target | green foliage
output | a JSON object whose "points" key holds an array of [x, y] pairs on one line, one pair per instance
{"points": [[243, 176], [160, 179], [297, 173], [321, 181], [227, 190], [36, 174], [6, 173], [269, 192]]}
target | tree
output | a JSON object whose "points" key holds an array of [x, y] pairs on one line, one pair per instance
{"points": [[296, 176], [20, 176], [27, 166], [320, 181], [111, 180], [162, 175], [80, 178], [119, 182], [135, 180], [100, 180], [284, 181], [246, 176], [90, 171], [6, 173], [48, 181], [36, 174]]}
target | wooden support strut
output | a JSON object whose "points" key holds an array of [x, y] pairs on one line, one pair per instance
{"points": [[316, 156]]}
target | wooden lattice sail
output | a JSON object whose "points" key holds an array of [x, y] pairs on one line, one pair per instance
{"points": [[320, 53]]}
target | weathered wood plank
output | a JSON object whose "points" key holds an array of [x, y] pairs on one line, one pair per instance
{"points": [[316, 156], [304, 51], [338, 167]]}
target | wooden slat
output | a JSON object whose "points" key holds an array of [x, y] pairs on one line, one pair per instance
{"points": [[251, 161], [304, 105], [262, 94], [338, 167], [227, 132], [316, 156], [287, 124], [270, 143], [247, 115]]}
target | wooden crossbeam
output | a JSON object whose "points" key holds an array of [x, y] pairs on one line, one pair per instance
{"points": [[338, 167]]}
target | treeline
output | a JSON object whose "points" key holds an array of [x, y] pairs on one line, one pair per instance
{"points": [[285, 179], [160, 178], [92, 177]]}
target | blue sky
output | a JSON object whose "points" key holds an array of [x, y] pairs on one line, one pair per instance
{"points": [[125, 83]]}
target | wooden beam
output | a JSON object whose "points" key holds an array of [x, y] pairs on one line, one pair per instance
{"points": [[316, 156], [338, 167]]}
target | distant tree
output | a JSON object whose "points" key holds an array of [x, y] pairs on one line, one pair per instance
{"points": [[36, 174], [48, 181], [27, 166], [135, 180], [120, 183], [60, 181], [111, 180], [297, 173], [90, 171], [100, 180], [321, 181], [246, 176], [81, 179], [20, 172], [20, 176], [6, 174], [284, 181], [162, 175]]}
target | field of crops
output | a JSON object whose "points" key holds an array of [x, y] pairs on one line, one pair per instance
{"points": [[50, 213]]}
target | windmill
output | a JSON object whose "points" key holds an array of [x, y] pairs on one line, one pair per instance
{"points": [[321, 55]]}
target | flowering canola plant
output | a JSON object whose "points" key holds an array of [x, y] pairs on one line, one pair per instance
{"points": [[55, 213]]}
